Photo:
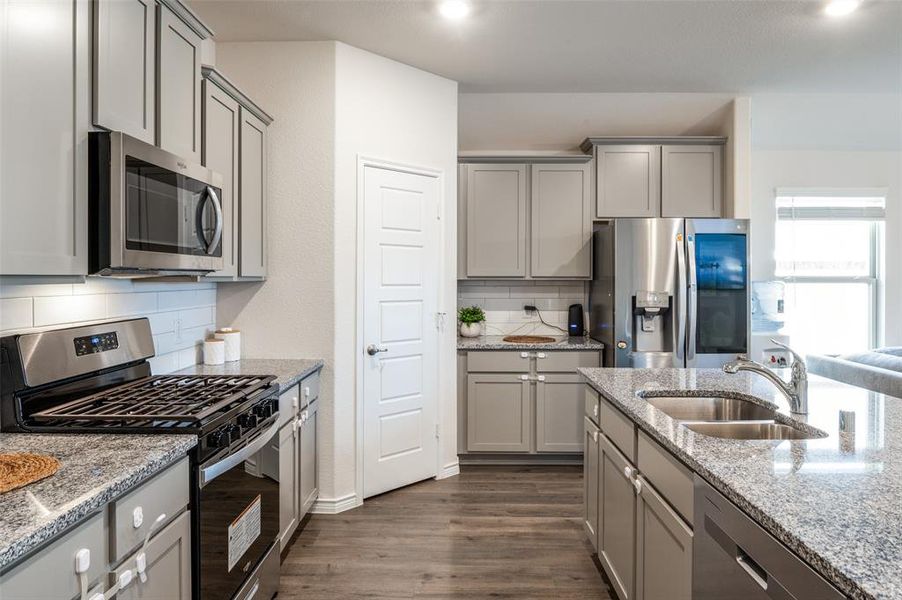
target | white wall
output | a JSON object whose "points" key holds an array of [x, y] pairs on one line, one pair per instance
{"points": [[290, 314], [332, 103], [392, 112], [181, 315]]}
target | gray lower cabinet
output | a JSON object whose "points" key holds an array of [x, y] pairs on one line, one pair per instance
{"points": [[289, 489], [168, 565], [252, 196], [45, 116], [178, 86], [663, 548], [691, 181], [495, 200], [125, 66], [220, 153], [627, 179], [308, 475], [560, 400], [617, 519], [591, 454], [498, 418], [560, 220]]}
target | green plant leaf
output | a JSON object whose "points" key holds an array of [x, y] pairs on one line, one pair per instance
{"points": [[470, 314]]}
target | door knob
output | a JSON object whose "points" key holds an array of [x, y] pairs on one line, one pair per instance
{"points": [[372, 350]]}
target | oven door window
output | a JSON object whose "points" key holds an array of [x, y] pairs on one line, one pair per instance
{"points": [[169, 212], [227, 504]]}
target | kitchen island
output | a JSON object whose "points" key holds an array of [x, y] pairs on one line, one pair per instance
{"points": [[833, 500]]}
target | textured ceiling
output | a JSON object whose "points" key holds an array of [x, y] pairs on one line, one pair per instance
{"points": [[600, 46]]}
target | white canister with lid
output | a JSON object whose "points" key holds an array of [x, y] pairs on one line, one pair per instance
{"points": [[232, 339], [214, 352]]}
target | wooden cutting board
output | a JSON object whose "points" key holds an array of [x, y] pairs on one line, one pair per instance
{"points": [[529, 339], [19, 469]]}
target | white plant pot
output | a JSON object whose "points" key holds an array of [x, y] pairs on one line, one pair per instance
{"points": [[470, 330]]}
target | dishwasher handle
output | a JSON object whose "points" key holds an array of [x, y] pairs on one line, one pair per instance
{"points": [[753, 569]]}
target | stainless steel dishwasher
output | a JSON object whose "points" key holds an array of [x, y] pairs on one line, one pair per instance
{"points": [[733, 557]]}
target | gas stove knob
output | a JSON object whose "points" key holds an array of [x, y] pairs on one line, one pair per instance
{"points": [[247, 420], [263, 410], [219, 438], [234, 432]]}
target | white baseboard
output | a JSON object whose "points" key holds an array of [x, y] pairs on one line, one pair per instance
{"points": [[449, 470], [333, 506]]}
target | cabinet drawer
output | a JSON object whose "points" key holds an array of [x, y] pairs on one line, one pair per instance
{"points": [[165, 493], [620, 429], [309, 389], [592, 403], [51, 572], [563, 361], [289, 403], [671, 478], [498, 362]]}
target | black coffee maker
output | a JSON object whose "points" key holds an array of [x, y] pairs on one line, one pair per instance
{"points": [[575, 325]]}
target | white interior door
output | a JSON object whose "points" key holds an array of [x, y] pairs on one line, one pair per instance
{"points": [[400, 353]]}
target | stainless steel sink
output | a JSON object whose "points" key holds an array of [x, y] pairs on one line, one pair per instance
{"points": [[752, 431], [713, 408]]}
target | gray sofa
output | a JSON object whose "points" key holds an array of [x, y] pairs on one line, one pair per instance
{"points": [[879, 370]]}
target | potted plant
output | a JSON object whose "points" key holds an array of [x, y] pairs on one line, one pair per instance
{"points": [[471, 318]]}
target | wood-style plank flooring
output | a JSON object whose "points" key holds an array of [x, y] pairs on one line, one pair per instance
{"points": [[490, 532]]}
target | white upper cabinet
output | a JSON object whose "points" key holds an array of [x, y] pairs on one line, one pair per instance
{"points": [[560, 221], [178, 86], [628, 181], [125, 66], [691, 181], [45, 116]]}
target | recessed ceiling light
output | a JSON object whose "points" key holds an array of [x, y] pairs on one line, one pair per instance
{"points": [[454, 9], [841, 8]]}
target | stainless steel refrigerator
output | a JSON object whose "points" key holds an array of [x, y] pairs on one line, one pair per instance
{"points": [[670, 292]]}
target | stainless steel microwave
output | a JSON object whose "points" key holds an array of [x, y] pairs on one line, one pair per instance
{"points": [[150, 212]]}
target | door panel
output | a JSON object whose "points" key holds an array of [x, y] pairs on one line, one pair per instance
{"points": [[289, 496], [400, 304], [664, 552], [561, 223], [498, 413], [252, 196], [559, 413], [178, 86], [496, 221], [309, 476], [691, 181], [590, 481], [628, 181], [168, 573], [617, 521]]}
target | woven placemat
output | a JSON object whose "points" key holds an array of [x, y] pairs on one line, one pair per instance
{"points": [[529, 339], [18, 469]]}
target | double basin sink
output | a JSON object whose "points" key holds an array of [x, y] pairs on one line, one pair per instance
{"points": [[729, 418]]}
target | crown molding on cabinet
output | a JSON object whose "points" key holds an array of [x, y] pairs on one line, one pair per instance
{"points": [[704, 140], [210, 73], [513, 157], [184, 12]]}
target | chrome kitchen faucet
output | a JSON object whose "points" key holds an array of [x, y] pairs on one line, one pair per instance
{"points": [[797, 388]]}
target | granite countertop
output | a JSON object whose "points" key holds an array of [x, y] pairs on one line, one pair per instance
{"points": [[836, 503], [496, 342], [94, 469], [288, 371]]}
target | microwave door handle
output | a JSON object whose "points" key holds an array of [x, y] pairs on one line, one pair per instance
{"points": [[217, 232]]}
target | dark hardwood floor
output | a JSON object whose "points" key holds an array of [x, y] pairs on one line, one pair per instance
{"points": [[491, 532]]}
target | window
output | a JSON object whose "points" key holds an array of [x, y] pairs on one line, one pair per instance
{"points": [[828, 251]]}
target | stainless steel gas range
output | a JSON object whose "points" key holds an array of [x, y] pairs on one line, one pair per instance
{"points": [[96, 379]]}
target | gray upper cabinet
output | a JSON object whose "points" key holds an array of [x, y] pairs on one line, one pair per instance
{"points": [[496, 220], [220, 153], [252, 196], [627, 181], [559, 413], [498, 417], [561, 220], [663, 549], [691, 181], [125, 66], [178, 86], [45, 116]]}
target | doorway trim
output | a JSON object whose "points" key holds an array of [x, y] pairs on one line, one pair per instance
{"points": [[363, 162]]}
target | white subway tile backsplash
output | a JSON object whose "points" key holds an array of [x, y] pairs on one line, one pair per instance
{"points": [[30, 291], [163, 322], [195, 317], [57, 310], [164, 363], [15, 313], [103, 285], [121, 305], [186, 299], [503, 302]]}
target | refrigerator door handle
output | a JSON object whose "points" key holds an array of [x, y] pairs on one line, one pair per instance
{"points": [[680, 308], [692, 313]]}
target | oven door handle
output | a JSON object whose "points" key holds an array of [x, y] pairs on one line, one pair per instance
{"points": [[210, 194], [208, 474]]}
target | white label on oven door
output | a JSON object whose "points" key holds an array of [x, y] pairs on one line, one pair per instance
{"points": [[243, 531]]}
